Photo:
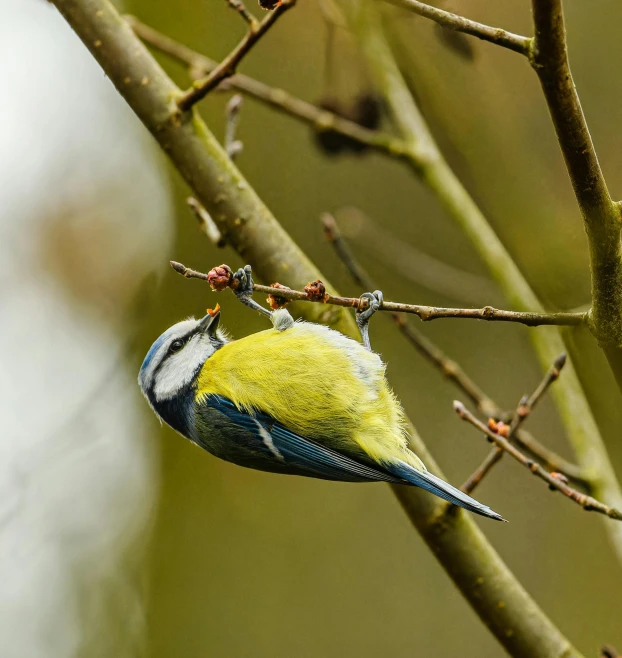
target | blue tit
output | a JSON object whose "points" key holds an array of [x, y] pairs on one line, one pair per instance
{"points": [[298, 399]]}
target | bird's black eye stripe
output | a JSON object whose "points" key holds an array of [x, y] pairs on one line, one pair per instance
{"points": [[176, 345]]}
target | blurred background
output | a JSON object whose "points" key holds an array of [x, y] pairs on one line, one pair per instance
{"points": [[119, 538]]}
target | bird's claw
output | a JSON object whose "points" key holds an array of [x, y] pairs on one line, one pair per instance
{"points": [[244, 277], [374, 301], [244, 290]]}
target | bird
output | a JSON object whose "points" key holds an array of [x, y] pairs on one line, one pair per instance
{"points": [[298, 398]]}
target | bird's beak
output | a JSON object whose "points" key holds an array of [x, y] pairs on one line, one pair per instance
{"points": [[209, 323]]}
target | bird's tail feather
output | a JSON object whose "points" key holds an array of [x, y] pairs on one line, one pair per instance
{"points": [[440, 488]]}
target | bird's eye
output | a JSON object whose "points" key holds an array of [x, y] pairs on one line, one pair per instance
{"points": [[176, 345]]}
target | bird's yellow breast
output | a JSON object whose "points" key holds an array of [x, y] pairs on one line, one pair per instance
{"points": [[313, 380]]}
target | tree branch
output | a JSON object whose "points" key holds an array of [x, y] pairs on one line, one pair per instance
{"points": [[525, 407], [452, 371], [278, 99], [412, 264], [227, 67], [233, 146], [528, 403], [421, 343], [451, 21], [601, 216], [206, 223], [240, 7], [574, 410], [586, 502], [552, 460], [520, 625], [424, 313], [492, 458]]}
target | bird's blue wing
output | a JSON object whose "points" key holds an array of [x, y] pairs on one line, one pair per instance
{"points": [[261, 442]]}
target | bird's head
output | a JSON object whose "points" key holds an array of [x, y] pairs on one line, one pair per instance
{"points": [[176, 357]]}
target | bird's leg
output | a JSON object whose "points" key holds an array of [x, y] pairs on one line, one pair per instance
{"points": [[374, 302], [244, 291]]}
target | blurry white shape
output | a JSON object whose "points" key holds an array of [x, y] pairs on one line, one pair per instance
{"points": [[84, 201]]}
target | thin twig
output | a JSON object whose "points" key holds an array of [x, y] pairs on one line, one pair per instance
{"points": [[552, 460], [227, 67], [278, 99], [572, 404], [586, 502], [421, 343], [496, 35], [206, 223], [233, 146], [526, 405], [418, 266], [526, 441], [425, 313], [492, 458], [240, 7], [450, 368], [601, 215]]}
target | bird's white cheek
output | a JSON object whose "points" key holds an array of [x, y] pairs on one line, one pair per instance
{"points": [[179, 370]]}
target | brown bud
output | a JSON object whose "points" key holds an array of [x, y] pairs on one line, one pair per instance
{"points": [[503, 429], [220, 277], [559, 476], [316, 291], [274, 301], [492, 424]]}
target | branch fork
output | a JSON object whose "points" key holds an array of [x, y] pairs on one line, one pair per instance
{"points": [[200, 88]]}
